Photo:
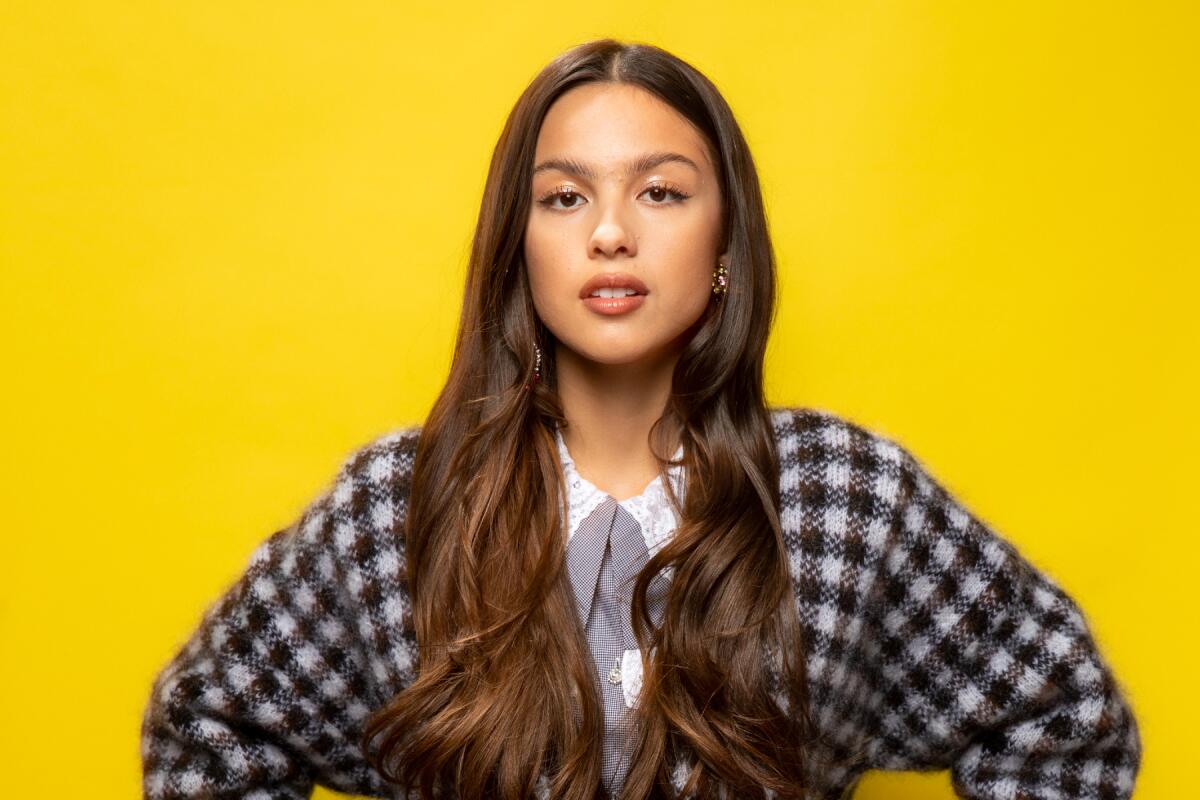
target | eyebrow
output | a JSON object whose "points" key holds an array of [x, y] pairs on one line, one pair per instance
{"points": [[632, 167]]}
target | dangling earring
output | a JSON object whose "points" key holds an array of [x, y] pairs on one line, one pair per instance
{"points": [[720, 280], [537, 363]]}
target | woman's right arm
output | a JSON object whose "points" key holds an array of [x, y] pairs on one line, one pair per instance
{"points": [[269, 694]]}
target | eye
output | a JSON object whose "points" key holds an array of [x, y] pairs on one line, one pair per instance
{"points": [[663, 191], [570, 198]]}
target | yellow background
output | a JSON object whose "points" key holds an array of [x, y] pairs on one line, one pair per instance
{"points": [[233, 238]]}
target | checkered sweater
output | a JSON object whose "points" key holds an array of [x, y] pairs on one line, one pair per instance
{"points": [[931, 642]]}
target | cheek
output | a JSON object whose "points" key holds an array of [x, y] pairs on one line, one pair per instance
{"points": [[694, 293], [690, 281], [547, 282]]}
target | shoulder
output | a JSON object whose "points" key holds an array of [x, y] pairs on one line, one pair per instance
{"points": [[854, 497], [381, 457], [373, 480], [841, 480], [833, 446], [355, 517]]}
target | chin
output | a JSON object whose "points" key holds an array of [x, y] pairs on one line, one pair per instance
{"points": [[621, 356], [610, 360]]}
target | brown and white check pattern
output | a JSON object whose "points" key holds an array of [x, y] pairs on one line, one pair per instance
{"points": [[932, 643]]}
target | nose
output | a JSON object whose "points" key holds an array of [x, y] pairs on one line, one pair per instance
{"points": [[612, 235]]}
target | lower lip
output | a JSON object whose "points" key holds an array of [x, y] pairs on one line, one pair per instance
{"points": [[614, 305]]}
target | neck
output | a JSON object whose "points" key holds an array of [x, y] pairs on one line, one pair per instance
{"points": [[610, 409]]}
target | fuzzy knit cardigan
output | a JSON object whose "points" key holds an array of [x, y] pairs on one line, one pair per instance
{"points": [[931, 643]]}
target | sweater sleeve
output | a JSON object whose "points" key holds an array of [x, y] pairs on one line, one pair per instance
{"points": [[988, 667], [269, 694]]}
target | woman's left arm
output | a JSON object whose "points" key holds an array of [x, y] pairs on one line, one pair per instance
{"points": [[989, 666]]}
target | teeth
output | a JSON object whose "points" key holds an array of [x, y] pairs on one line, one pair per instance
{"points": [[613, 292]]}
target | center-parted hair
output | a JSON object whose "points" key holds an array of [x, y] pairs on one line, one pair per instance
{"points": [[506, 688]]}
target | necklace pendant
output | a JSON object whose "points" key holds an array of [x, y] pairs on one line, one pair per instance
{"points": [[614, 674]]}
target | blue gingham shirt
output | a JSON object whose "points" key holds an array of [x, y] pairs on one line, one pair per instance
{"points": [[608, 543]]}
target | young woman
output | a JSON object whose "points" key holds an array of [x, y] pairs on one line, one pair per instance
{"points": [[604, 566]]}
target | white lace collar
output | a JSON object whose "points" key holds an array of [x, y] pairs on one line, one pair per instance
{"points": [[652, 509]]}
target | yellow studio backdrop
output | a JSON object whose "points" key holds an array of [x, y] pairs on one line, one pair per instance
{"points": [[233, 238]]}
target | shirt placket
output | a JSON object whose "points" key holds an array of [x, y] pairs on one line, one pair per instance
{"points": [[603, 557]]}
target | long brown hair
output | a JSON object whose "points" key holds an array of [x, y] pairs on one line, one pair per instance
{"points": [[507, 689]]}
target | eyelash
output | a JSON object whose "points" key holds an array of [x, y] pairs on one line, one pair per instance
{"points": [[547, 199]]}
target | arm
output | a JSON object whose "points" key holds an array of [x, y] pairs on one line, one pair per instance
{"points": [[268, 696], [988, 667]]}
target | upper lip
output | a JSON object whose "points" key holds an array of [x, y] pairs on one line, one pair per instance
{"points": [[612, 280]]}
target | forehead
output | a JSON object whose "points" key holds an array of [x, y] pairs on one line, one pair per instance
{"points": [[606, 123]]}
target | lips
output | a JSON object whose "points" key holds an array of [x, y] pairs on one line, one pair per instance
{"points": [[612, 280], [617, 293]]}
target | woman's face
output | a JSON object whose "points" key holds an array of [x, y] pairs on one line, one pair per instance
{"points": [[624, 191]]}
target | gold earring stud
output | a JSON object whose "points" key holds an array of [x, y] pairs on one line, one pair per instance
{"points": [[720, 282]]}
